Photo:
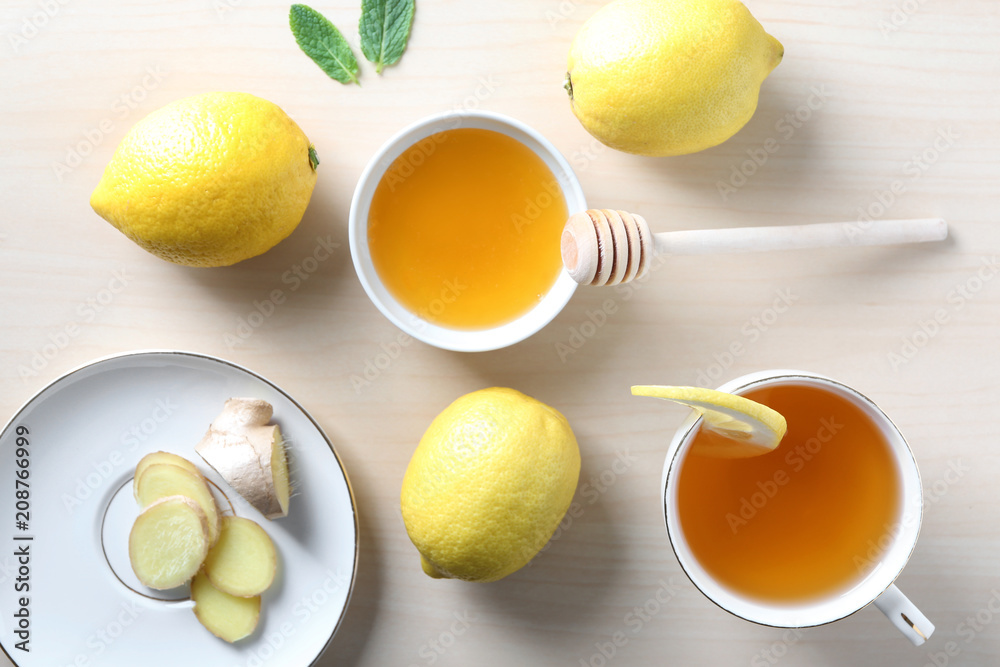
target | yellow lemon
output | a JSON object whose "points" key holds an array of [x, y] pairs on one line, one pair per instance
{"points": [[488, 484], [209, 180], [668, 77], [748, 428]]}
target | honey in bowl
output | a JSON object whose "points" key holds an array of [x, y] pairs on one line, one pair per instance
{"points": [[464, 228]]}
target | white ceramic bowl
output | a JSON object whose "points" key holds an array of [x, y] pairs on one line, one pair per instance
{"points": [[462, 340]]}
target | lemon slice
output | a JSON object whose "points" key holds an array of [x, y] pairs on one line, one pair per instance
{"points": [[747, 427]]}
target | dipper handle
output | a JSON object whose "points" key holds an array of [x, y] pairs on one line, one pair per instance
{"points": [[606, 247]]}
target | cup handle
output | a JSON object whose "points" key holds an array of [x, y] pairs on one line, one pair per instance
{"points": [[904, 615]]}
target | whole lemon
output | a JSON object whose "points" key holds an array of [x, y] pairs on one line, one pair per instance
{"points": [[209, 180], [668, 77], [488, 484]]}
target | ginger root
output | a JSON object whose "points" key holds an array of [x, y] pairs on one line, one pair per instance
{"points": [[249, 453]]}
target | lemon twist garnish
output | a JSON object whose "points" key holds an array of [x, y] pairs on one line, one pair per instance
{"points": [[747, 427]]}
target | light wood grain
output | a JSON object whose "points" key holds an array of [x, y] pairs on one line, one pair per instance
{"points": [[915, 106]]}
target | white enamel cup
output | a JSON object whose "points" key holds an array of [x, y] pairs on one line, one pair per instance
{"points": [[877, 587], [462, 340]]}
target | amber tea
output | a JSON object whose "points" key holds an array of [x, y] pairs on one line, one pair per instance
{"points": [[800, 522]]}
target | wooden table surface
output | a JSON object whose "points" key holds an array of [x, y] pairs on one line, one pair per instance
{"points": [[884, 108]]}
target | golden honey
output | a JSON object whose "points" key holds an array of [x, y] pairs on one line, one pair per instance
{"points": [[464, 228]]}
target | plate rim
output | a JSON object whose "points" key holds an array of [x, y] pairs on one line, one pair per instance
{"points": [[225, 362]]}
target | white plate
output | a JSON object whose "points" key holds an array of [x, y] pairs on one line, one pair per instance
{"points": [[75, 594]]}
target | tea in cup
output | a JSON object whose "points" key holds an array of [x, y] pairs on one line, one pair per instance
{"points": [[810, 532]]}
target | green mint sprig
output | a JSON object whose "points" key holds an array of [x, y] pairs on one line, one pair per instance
{"points": [[320, 40], [385, 30]]}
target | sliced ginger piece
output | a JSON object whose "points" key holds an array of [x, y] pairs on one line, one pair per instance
{"points": [[243, 562], [160, 457], [249, 453], [159, 480], [226, 616], [168, 542]]}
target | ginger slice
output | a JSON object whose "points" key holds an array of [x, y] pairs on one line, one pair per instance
{"points": [[161, 457], [159, 480], [249, 453], [168, 542], [226, 616], [243, 562]]}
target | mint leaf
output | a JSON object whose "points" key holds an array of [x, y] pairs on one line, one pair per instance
{"points": [[385, 29], [320, 40]]}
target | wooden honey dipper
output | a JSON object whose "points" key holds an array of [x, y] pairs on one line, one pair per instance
{"points": [[605, 247]]}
